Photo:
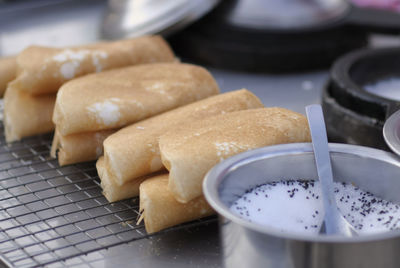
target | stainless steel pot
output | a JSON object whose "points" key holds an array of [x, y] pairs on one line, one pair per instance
{"points": [[247, 244]]}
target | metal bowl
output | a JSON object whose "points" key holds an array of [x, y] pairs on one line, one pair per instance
{"points": [[129, 18], [247, 244]]}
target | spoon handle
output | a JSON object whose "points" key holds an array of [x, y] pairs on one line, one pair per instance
{"points": [[323, 162]]}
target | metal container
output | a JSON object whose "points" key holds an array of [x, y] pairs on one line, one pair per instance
{"points": [[247, 244], [352, 113]]}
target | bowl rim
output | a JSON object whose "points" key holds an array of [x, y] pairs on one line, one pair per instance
{"points": [[343, 81], [215, 176], [391, 132]]}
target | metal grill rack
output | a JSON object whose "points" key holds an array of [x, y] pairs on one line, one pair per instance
{"points": [[56, 216]]}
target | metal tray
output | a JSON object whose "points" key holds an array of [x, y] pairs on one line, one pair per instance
{"points": [[57, 217]]}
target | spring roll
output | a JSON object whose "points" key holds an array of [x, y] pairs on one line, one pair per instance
{"points": [[190, 151], [8, 72], [133, 151], [160, 209], [42, 70], [81, 147], [120, 97], [26, 115], [116, 98]]}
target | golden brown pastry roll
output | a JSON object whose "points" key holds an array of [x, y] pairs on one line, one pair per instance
{"points": [[190, 151], [116, 98], [114, 192], [160, 209], [42, 70], [80, 147], [26, 115], [8, 72], [133, 151]]}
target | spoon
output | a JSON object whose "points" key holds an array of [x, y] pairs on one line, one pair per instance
{"points": [[334, 223]]}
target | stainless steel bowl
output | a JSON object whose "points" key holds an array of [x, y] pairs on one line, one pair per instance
{"points": [[247, 244], [133, 18]]}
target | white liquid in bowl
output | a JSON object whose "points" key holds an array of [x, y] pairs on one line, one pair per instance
{"points": [[296, 206]]}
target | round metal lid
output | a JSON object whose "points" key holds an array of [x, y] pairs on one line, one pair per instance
{"points": [[132, 18], [286, 14], [391, 132]]}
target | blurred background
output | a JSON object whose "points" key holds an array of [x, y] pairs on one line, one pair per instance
{"points": [[230, 25], [281, 50]]}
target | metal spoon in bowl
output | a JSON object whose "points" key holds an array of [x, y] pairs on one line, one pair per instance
{"points": [[334, 222]]}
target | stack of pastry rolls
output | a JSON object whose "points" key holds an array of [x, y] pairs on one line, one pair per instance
{"points": [[188, 141], [160, 125], [90, 108], [133, 153], [190, 151], [29, 99]]}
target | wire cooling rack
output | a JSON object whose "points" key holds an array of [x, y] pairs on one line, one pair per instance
{"points": [[57, 216]]}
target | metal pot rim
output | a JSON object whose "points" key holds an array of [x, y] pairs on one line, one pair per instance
{"points": [[215, 176]]}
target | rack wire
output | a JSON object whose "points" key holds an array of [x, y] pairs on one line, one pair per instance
{"points": [[56, 216]]}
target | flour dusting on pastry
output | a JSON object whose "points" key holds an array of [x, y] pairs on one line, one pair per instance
{"points": [[68, 54], [96, 56], [68, 69], [71, 60], [106, 112]]}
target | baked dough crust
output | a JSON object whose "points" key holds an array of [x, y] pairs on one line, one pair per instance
{"points": [[26, 115], [114, 192], [116, 98], [160, 209], [81, 147], [190, 151], [42, 70]]}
